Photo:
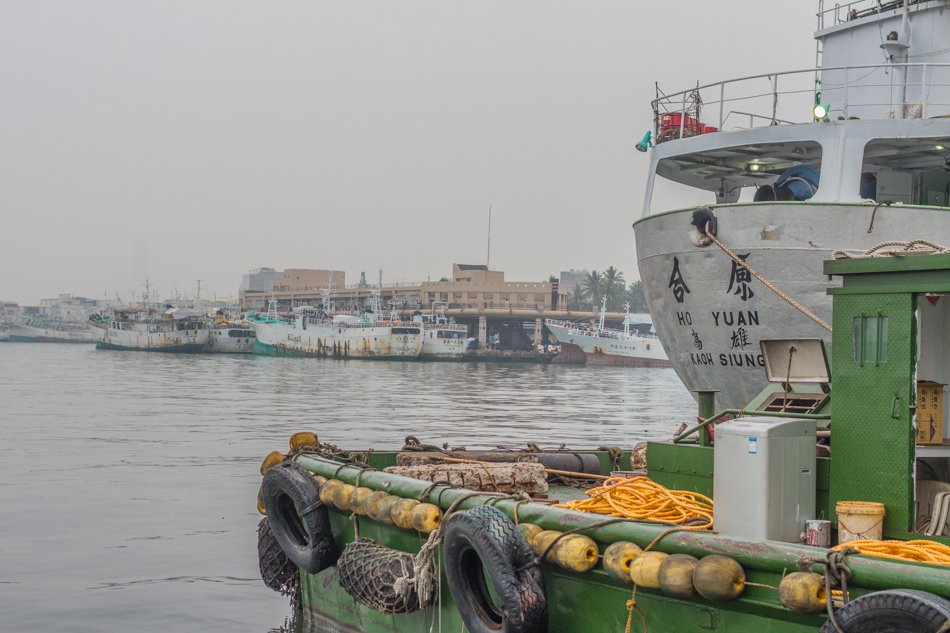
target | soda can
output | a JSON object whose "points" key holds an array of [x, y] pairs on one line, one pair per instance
{"points": [[818, 533]]}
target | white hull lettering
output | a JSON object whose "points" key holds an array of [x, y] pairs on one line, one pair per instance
{"points": [[684, 318]]}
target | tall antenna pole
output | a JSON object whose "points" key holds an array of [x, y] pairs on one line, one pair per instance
{"points": [[488, 255]]}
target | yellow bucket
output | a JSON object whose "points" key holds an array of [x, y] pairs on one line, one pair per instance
{"points": [[859, 520]]}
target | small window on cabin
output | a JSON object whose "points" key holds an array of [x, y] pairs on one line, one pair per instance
{"points": [[907, 171], [763, 172], [870, 340]]}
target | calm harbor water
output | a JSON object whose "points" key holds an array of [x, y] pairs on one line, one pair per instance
{"points": [[128, 480]]}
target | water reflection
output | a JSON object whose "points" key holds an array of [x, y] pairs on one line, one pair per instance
{"points": [[128, 480]]}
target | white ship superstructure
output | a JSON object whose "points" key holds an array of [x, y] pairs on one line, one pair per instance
{"points": [[764, 177]]}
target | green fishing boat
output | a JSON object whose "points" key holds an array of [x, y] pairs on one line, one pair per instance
{"points": [[789, 515]]}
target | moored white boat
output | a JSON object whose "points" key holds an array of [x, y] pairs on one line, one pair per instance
{"points": [[861, 160], [38, 330], [442, 340], [149, 330], [605, 346], [231, 338], [311, 334]]}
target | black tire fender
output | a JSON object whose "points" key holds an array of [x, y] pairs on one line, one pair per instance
{"points": [[483, 541], [892, 611], [703, 224], [299, 520]]}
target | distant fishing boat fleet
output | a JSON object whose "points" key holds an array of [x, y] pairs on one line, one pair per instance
{"points": [[321, 332]]}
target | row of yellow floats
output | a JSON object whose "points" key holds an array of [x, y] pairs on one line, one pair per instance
{"points": [[715, 577]]}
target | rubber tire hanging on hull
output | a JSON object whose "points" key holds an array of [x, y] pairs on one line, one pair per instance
{"points": [[298, 518], [483, 541], [892, 611], [277, 572]]}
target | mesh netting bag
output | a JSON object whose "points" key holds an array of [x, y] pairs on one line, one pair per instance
{"points": [[385, 579]]}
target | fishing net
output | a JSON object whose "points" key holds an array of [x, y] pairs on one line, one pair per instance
{"points": [[385, 579], [277, 572]]}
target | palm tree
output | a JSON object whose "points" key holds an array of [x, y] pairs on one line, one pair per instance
{"points": [[575, 299], [636, 297], [613, 285], [593, 286]]}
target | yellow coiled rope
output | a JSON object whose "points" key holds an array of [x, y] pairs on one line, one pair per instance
{"points": [[642, 499], [920, 551]]}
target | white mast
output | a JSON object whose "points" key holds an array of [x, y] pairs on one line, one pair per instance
{"points": [[603, 313]]}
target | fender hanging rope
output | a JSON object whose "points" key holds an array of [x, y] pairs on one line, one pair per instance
{"points": [[913, 247], [768, 284]]}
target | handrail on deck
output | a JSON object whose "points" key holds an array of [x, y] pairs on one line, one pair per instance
{"points": [[738, 413], [687, 103], [857, 9]]}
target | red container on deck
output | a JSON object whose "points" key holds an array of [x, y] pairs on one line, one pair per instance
{"points": [[670, 122]]}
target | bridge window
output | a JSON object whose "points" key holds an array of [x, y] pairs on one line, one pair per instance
{"points": [[907, 170], [761, 172]]}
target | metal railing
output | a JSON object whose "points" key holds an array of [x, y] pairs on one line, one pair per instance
{"points": [[845, 12], [911, 90]]}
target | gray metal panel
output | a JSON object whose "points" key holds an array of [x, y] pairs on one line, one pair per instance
{"points": [[764, 478], [808, 362]]}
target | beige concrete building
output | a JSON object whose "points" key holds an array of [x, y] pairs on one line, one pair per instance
{"points": [[471, 287]]}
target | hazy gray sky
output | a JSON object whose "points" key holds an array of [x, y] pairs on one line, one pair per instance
{"points": [[223, 135]]}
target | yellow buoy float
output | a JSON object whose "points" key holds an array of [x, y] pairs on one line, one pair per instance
{"points": [[371, 505], [803, 591], [341, 496], [576, 552], [719, 578], [645, 569], [260, 500], [273, 458], [382, 510], [328, 490], [358, 497], [301, 439], [426, 517], [542, 541], [676, 576], [618, 558], [401, 513], [529, 531]]}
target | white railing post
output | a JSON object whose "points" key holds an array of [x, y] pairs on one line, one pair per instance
{"points": [[683, 115], [924, 78], [722, 103], [845, 92], [774, 99]]}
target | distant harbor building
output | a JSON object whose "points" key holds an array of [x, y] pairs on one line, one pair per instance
{"points": [[572, 279], [471, 287], [66, 307], [9, 310], [260, 279]]}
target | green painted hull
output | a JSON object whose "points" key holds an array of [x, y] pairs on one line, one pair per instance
{"points": [[580, 602]]}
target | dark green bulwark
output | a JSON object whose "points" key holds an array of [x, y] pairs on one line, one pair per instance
{"points": [[590, 601], [875, 365]]}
